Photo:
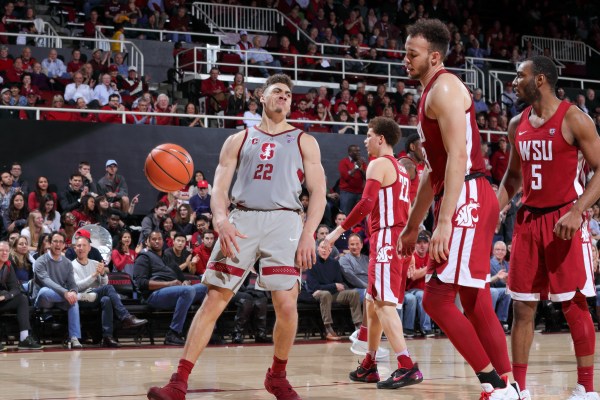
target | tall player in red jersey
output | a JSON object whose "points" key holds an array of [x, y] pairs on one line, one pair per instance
{"points": [[466, 212], [551, 253], [413, 162], [385, 200]]}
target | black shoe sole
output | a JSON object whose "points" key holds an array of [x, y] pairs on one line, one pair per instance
{"points": [[400, 385]]}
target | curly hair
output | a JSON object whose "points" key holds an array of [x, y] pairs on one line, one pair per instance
{"points": [[278, 78], [386, 127], [434, 31]]}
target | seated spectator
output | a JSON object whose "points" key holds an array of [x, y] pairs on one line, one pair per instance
{"points": [[84, 115], [251, 310], [112, 9], [162, 106], [89, 27], [200, 202], [345, 126], [13, 299], [145, 106], [165, 288], [54, 66], [133, 84], [285, 47], [202, 252], [499, 269], [113, 186], [355, 265], [6, 101], [104, 89], [236, 106], [261, 58], [34, 229], [456, 58], [78, 89], [184, 220], [346, 98], [6, 60], [479, 102], [55, 286], [91, 278], [415, 286], [69, 199], [122, 254], [322, 114], [114, 104], [353, 53], [19, 260], [322, 232], [15, 72], [89, 77], [36, 196], [180, 22], [193, 187], [26, 86], [301, 114], [499, 160], [242, 45], [325, 283], [15, 218], [49, 213], [178, 256], [251, 116], [215, 90], [152, 222], [87, 212], [16, 98], [76, 62]]}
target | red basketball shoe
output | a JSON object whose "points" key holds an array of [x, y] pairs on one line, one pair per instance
{"points": [[277, 384], [174, 390]]}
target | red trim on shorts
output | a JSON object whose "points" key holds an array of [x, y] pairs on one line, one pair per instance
{"points": [[280, 270], [227, 269]]}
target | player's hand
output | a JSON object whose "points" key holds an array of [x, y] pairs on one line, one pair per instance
{"points": [[227, 238], [438, 248], [407, 241], [567, 225], [306, 255], [411, 268]]}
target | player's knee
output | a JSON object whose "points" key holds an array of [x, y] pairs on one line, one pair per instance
{"points": [[524, 311], [580, 322]]}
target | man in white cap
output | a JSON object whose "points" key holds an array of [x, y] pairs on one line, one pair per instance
{"points": [[243, 44], [136, 84], [114, 186]]}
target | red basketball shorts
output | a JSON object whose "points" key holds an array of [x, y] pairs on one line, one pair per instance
{"points": [[543, 266], [387, 270], [473, 227]]}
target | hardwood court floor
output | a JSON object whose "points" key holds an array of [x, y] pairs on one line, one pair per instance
{"points": [[317, 370]]}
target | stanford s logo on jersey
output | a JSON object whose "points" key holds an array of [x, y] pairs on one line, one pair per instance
{"points": [[384, 255], [267, 151], [466, 215]]}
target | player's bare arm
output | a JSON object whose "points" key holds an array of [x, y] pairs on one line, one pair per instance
{"points": [[418, 211], [442, 104], [512, 177], [315, 184], [409, 166], [578, 129], [219, 202]]}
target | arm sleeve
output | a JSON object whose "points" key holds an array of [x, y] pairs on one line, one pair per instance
{"points": [[365, 205]]}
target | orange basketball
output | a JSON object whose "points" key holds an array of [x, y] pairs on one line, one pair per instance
{"points": [[169, 167]]}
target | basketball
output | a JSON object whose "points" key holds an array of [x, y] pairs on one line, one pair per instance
{"points": [[169, 167]]}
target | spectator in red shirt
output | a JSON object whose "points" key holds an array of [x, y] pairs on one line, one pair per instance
{"points": [[415, 283], [27, 60], [89, 27], [114, 103], [323, 97], [58, 102], [352, 178], [285, 47], [215, 90], [6, 60], [180, 22], [354, 24], [15, 72], [75, 64], [499, 160], [203, 251], [162, 106], [347, 99], [122, 254], [302, 114]]}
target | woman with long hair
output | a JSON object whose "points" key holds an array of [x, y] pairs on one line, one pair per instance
{"points": [[184, 220], [41, 189], [193, 185], [19, 259], [122, 254], [15, 218], [48, 210], [87, 212], [42, 247], [104, 210], [34, 229]]}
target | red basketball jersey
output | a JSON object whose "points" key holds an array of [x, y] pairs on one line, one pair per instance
{"points": [[414, 182], [552, 168], [393, 202], [435, 153]]}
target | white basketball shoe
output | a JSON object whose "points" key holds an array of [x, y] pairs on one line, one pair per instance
{"points": [[580, 394]]}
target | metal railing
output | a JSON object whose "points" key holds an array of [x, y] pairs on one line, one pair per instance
{"points": [[560, 49], [236, 18], [200, 13], [44, 28], [162, 33], [205, 118], [297, 71]]}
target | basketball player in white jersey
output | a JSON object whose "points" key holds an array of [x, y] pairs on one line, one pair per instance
{"points": [[272, 160]]}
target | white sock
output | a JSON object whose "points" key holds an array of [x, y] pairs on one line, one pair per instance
{"points": [[23, 335], [403, 353]]}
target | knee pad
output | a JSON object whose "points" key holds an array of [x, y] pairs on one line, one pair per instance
{"points": [[581, 325]]}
